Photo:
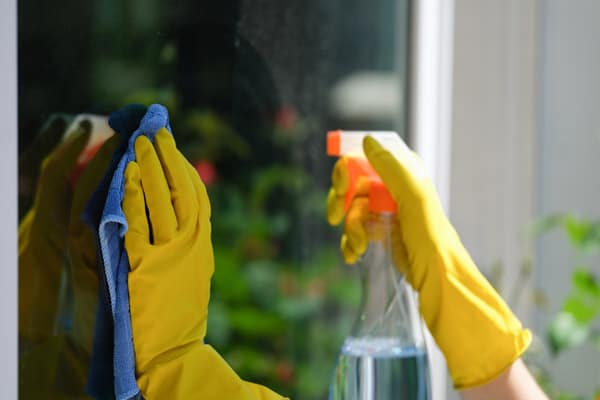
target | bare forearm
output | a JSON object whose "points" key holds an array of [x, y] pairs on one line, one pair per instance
{"points": [[516, 383]]}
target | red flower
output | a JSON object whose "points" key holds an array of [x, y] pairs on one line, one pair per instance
{"points": [[284, 372], [286, 117], [207, 172]]}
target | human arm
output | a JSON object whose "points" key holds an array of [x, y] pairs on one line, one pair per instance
{"points": [[515, 383]]}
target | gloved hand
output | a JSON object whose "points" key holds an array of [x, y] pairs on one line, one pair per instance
{"points": [[53, 369], [477, 332], [82, 249], [43, 241], [48, 137], [171, 260], [66, 352]]}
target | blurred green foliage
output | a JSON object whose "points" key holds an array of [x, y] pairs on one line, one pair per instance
{"points": [[576, 322]]}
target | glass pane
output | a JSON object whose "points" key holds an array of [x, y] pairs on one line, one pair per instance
{"points": [[251, 88]]}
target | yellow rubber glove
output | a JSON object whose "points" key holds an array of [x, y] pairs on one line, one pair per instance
{"points": [[53, 370], [477, 332], [171, 260], [82, 249], [43, 242], [57, 368]]}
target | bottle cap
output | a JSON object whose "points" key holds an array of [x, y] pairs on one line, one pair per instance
{"points": [[334, 143], [343, 143], [380, 199]]}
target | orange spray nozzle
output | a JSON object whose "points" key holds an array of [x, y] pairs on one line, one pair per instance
{"points": [[356, 168]]}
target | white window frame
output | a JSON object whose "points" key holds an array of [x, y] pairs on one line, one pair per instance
{"points": [[8, 202], [429, 115]]}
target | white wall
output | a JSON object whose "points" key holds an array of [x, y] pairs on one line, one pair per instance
{"points": [[569, 159], [493, 131], [526, 142]]}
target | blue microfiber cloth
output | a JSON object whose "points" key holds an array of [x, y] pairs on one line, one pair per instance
{"points": [[112, 227], [100, 374]]}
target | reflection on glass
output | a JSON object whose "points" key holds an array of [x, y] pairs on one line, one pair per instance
{"points": [[251, 88]]}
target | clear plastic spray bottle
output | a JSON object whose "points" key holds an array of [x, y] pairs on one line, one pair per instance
{"points": [[385, 356]]}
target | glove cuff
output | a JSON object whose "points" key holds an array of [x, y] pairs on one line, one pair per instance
{"points": [[473, 326], [485, 371], [197, 371]]}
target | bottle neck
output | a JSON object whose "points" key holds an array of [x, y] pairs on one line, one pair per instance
{"points": [[379, 228], [388, 307]]}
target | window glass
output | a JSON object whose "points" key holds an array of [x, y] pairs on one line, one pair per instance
{"points": [[251, 88]]}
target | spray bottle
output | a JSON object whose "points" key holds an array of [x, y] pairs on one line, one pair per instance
{"points": [[385, 356]]}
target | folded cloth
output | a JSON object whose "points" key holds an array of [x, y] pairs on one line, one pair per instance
{"points": [[101, 374], [113, 227]]}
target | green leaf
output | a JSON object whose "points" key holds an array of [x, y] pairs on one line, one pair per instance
{"points": [[584, 300], [565, 332], [581, 311], [546, 224], [584, 235], [585, 282], [576, 230]]}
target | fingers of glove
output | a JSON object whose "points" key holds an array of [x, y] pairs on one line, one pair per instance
{"points": [[348, 253], [399, 252], [91, 176], [335, 207], [175, 170], [60, 163], [202, 199], [340, 177], [134, 206], [336, 198], [361, 188], [156, 191], [354, 228], [396, 176]]}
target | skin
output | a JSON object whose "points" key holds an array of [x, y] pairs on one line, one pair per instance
{"points": [[516, 383]]}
